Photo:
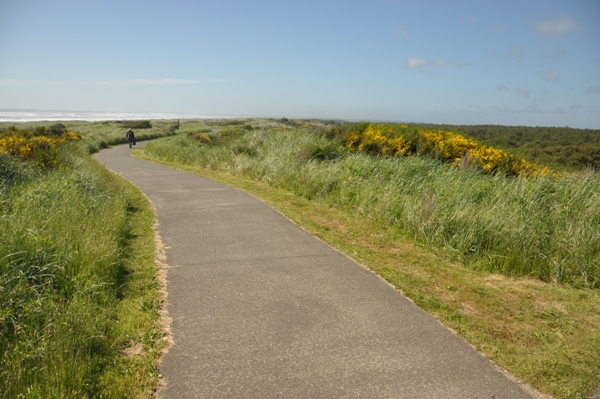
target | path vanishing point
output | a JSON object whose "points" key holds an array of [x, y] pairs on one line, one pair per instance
{"points": [[263, 309]]}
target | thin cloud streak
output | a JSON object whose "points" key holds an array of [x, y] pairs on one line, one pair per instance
{"points": [[517, 53], [16, 82], [416, 62], [552, 75], [421, 65], [524, 91], [161, 81], [593, 90], [557, 27]]}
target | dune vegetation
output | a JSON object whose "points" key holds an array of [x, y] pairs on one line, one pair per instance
{"points": [[78, 281], [562, 148], [487, 208], [502, 250]]}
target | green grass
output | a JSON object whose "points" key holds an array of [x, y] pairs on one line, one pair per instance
{"points": [[100, 135], [78, 282], [546, 228], [509, 264]]}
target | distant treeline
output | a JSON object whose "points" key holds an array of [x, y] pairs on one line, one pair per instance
{"points": [[558, 147]]}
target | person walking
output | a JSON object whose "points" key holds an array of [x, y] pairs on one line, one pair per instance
{"points": [[130, 137]]}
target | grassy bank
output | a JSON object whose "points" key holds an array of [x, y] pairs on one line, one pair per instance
{"points": [[545, 228], [79, 293], [509, 263], [101, 135]]}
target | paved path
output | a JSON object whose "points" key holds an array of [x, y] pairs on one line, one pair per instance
{"points": [[262, 309]]}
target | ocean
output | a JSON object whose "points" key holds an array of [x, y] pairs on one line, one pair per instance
{"points": [[30, 115]]}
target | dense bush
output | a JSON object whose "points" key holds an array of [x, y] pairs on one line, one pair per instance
{"points": [[558, 147], [457, 150], [40, 146]]}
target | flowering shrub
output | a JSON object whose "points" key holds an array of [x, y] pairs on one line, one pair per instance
{"points": [[379, 140], [393, 140], [34, 146], [201, 137]]}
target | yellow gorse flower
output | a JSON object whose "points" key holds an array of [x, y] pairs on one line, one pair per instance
{"points": [[37, 148], [375, 140], [391, 140]]}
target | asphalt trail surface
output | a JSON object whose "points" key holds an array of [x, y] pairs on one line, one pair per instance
{"points": [[263, 309]]}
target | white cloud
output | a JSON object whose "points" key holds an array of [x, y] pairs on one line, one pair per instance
{"points": [[552, 75], [416, 62], [469, 19], [425, 66], [524, 91], [500, 88], [162, 81], [593, 90], [557, 27], [517, 53]]}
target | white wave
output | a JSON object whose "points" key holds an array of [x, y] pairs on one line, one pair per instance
{"points": [[27, 115]]}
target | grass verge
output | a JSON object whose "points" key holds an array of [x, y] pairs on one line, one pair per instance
{"points": [[139, 324], [80, 296], [545, 334]]}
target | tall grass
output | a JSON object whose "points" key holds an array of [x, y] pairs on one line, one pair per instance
{"points": [[64, 242], [546, 227], [102, 135]]}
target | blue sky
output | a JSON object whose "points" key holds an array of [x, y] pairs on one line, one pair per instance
{"points": [[527, 62]]}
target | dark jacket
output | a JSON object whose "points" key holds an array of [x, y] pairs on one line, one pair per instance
{"points": [[129, 135]]}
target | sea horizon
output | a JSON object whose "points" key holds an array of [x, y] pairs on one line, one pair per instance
{"points": [[38, 115]]}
